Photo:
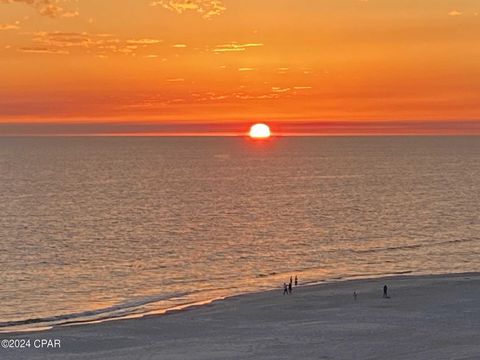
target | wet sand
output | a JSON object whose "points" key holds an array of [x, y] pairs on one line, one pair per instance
{"points": [[427, 317]]}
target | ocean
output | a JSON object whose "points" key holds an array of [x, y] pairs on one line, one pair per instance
{"points": [[97, 228]]}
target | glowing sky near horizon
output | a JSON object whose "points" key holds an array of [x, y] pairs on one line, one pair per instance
{"points": [[228, 61]]}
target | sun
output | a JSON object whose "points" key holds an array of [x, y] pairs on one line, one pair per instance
{"points": [[260, 131]]}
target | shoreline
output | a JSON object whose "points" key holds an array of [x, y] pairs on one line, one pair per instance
{"points": [[191, 306], [424, 311]]}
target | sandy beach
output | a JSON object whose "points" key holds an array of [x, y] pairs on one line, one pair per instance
{"points": [[426, 317]]}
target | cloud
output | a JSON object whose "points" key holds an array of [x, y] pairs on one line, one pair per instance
{"points": [[95, 44], [280, 90], [245, 69], [4, 27], [180, 46], [234, 47], [43, 50], [144, 41], [55, 9], [63, 38], [207, 8], [454, 13], [70, 14], [243, 96], [49, 8]]}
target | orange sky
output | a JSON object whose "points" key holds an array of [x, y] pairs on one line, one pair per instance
{"points": [[305, 66]]}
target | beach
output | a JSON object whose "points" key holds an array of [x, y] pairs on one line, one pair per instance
{"points": [[426, 317]]}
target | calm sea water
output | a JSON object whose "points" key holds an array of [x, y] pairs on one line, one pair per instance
{"points": [[94, 228]]}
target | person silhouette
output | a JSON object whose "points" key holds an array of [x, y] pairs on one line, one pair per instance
{"points": [[290, 288], [355, 296], [285, 289], [296, 280], [385, 291]]}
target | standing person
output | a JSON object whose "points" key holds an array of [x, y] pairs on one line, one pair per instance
{"points": [[296, 280], [385, 291], [285, 289], [290, 288], [291, 280], [355, 295]]}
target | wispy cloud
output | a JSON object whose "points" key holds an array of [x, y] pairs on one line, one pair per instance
{"points": [[43, 50], [455, 13], [55, 8], [233, 47], [280, 90], [49, 8], [144, 41], [207, 8], [96, 44], [4, 27]]}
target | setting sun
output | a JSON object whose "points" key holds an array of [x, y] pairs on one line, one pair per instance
{"points": [[260, 131]]}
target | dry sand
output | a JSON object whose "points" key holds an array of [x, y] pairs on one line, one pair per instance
{"points": [[427, 317]]}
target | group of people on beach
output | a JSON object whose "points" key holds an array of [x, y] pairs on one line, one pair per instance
{"points": [[287, 288]]}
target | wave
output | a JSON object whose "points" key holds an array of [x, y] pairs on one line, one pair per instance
{"points": [[129, 308], [412, 246]]}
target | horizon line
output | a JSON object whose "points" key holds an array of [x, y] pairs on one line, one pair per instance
{"points": [[242, 135], [240, 128]]}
